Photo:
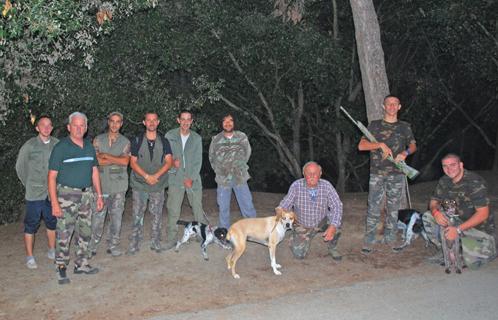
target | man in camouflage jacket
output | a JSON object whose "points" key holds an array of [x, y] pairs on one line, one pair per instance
{"points": [[228, 154], [476, 225], [395, 139]]}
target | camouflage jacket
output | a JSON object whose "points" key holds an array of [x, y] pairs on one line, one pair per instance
{"points": [[397, 136], [228, 158], [469, 193]]}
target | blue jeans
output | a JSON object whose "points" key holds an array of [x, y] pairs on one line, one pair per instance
{"points": [[244, 199]]}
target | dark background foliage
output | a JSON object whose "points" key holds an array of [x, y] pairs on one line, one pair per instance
{"points": [[282, 82]]}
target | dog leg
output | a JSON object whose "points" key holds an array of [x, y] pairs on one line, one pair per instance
{"points": [[204, 250], [238, 251], [275, 266], [186, 236]]}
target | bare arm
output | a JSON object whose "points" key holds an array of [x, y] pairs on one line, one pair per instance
{"points": [[167, 163], [106, 159], [96, 187], [366, 145], [52, 193]]}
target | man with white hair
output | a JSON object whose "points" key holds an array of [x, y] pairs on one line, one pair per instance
{"points": [[318, 209], [73, 181]]}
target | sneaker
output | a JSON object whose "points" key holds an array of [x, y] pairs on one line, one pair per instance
{"points": [[31, 263], [51, 254], [115, 252], [86, 269], [61, 275]]}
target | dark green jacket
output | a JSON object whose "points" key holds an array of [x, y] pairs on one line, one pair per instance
{"points": [[32, 167]]}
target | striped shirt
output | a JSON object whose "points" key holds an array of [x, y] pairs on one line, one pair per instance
{"points": [[311, 205]]}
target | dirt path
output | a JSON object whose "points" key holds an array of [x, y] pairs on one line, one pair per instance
{"points": [[149, 284]]}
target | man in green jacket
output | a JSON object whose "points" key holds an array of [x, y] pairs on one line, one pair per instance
{"points": [[32, 170], [187, 162]]}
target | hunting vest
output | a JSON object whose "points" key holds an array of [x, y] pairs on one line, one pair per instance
{"points": [[113, 178], [150, 166]]}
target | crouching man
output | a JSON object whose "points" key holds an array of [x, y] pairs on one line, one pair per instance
{"points": [[317, 207], [476, 222]]}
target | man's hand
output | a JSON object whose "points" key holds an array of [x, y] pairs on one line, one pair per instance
{"points": [[386, 151], [329, 234], [151, 179], [176, 163], [450, 233], [187, 182], [56, 210], [440, 218], [400, 157], [100, 203]]}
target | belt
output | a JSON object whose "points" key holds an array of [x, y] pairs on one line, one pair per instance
{"points": [[86, 189]]}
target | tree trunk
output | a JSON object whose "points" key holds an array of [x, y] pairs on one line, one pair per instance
{"points": [[371, 57]]}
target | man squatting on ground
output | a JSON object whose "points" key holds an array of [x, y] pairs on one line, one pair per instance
{"points": [[150, 161], [395, 138], [32, 170], [229, 153], [314, 201], [73, 169], [113, 154], [476, 222], [185, 176]]}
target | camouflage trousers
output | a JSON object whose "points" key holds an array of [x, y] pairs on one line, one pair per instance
{"points": [[478, 247], [76, 218], [301, 237], [114, 205], [392, 186], [156, 203]]}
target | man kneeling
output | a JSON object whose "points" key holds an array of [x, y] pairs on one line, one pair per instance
{"points": [[314, 201], [475, 220]]}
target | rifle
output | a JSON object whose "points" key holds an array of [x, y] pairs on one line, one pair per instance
{"points": [[401, 165]]}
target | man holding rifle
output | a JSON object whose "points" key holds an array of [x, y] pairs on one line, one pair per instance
{"points": [[394, 141]]}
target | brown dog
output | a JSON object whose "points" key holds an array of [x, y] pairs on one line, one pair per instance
{"points": [[268, 231]]}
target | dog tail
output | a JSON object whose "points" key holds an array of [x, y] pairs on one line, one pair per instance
{"points": [[182, 222]]}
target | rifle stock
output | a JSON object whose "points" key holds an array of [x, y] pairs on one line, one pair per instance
{"points": [[410, 172]]}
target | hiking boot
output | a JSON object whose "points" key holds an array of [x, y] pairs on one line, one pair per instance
{"points": [[115, 252], [336, 256], [366, 249], [436, 259], [131, 251], [86, 269], [156, 246], [31, 263], [61, 275], [51, 254], [169, 245]]}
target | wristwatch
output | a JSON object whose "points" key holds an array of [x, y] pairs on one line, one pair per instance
{"points": [[459, 231]]}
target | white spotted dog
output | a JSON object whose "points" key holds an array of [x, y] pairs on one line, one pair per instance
{"points": [[451, 249], [410, 221], [206, 233]]}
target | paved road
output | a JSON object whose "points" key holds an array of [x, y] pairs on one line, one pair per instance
{"points": [[471, 295]]}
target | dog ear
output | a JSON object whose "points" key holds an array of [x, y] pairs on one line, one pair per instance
{"points": [[279, 212]]}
